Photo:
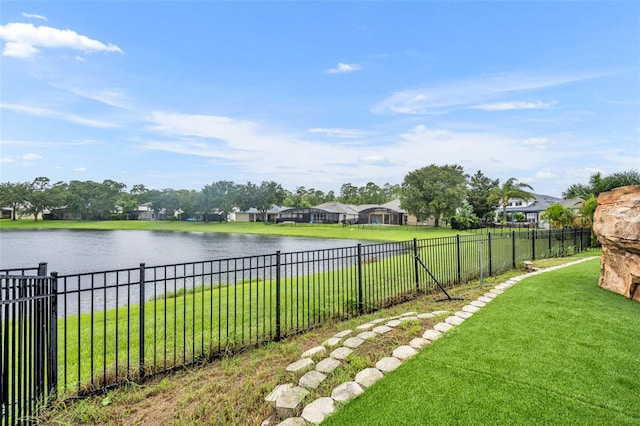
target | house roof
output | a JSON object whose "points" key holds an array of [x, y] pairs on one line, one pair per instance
{"points": [[394, 205], [539, 204], [341, 208]]}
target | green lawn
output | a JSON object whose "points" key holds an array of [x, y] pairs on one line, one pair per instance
{"points": [[554, 349], [368, 232]]}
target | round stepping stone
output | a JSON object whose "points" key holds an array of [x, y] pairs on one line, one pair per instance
{"points": [[342, 334], [393, 323], [327, 365], [388, 364], [368, 376], [478, 304], [463, 314], [314, 351], [366, 335], [431, 335], [442, 327], [346, 391], [382, 329], [419, 343], [293, 421], [277, 392], [289, 403], [311, 379], [425, 316], [300, 365], [353, 342], [365, 326], [454, 320], [341, 353], [470, 308], [318, 410], [333, 341], [404, 352]]}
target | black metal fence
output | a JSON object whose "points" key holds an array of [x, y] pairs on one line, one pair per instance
{"points": [[128, 324]]}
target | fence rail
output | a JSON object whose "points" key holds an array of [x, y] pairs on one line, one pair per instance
{"points": [[128, 324]]}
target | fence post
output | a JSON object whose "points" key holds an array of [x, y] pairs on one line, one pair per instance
{"points": [[562, 239], [489, 249], [360, 301], [458, 256], [513, 249], [42, 269], [141, 372], [52, 358], [278, 325], [415, 263], [533, 244]]}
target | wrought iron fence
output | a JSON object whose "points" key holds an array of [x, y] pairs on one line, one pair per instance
{"points": [[128, 324]]}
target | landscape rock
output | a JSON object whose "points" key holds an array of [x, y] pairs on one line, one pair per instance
{"points": [[353, 342], [426, 315], [419, 343], [366, 335], [346, 391], [367, 326], [454, 320], [314, 351], [301, 365], [332, 341], [470, 308], [442, 327], [289, 403], [485, 299], [404, 352], [277, 392], [342, 334], [478, 304], [431, 335], [368, 376], [327, 365], [341, 353], [393, 323], [382, 329], [388, 364], [463, 314], [318, 410], [293, 421], [616, 223], [311, 379]]}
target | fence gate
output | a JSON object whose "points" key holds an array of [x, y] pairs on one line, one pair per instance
{"points": [[28, 347]]}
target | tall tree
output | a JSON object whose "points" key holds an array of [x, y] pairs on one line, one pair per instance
{"points": [[268, 194], [479, 194], [434, 191], [14, 195], [218, 196], [511, 188], [558, 216]]}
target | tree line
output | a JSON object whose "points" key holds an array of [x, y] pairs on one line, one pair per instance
{"points": [[433, 191]]}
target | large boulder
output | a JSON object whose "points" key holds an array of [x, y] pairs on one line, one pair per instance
{"points": [[616, 223]]}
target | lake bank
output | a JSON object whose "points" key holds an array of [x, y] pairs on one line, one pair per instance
{"points": [[352, 232]]}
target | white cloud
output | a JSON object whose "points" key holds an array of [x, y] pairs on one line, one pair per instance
{"points": [[23, 40], [541, 143], [43, 112], [514, 105], [80, 169], [34, 16], [6, 160], [469, 92], [31, 156], [342, 68], [340, 133], [544, 175]]}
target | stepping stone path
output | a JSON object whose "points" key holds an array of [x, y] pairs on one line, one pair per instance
{"points": [[288, 399]]}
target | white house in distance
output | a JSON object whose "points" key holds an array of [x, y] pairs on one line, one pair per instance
{"points": [[533, 209]]}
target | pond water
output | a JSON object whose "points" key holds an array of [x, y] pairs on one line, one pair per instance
{"points": [[77, 251]]}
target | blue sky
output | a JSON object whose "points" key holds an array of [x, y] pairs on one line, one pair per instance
{"points": [[317, 94]]}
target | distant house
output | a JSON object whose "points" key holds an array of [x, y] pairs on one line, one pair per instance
{"points": [[253, 215], [531, 209], [145, 212], [330, 212]]}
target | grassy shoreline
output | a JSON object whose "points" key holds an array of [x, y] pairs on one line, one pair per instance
{"points": [[355, 232]]}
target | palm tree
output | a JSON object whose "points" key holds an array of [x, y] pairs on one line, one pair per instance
{"points": [[511, 189]]}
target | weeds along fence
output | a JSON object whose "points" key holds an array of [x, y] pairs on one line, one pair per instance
{"points": [[116, 326]]}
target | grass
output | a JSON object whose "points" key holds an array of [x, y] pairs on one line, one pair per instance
{"points": [[369, 232], [231, 390], [555, 349]]}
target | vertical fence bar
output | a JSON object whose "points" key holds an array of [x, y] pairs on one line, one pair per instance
{"points": [[141, 326], [360, 301], [416, 271], [489, 253], [52, 356], [533, 244], [513, 249], [458, 258], [278, 329]]}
